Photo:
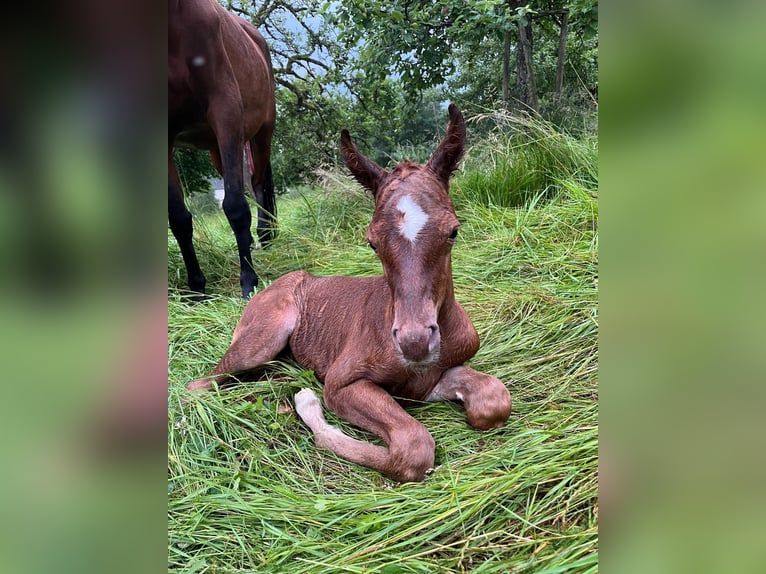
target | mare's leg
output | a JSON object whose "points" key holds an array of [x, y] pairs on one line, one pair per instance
{"points": [[486, 400], [180, 220], [262, 332], [263, 186], [225, 117], [409, 451]]}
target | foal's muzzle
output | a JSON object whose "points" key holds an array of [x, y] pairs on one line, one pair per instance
{"points": [[417, 344]]}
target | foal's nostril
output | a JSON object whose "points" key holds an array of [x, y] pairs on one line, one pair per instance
{"points": [[433, 338], [396, 333]]}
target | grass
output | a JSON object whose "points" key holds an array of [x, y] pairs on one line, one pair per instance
{"points": [[249, 492], [525, 158]]}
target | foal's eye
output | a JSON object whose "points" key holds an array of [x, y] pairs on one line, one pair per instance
{"points": [[453, 235]]}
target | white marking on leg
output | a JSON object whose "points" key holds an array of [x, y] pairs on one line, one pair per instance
{"points": [[413, 218], [309, 408]]}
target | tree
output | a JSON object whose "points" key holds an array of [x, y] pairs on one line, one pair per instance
{"points": [[414, 42], [317, 93], [419, 42], [526, 85], [385, 69], [303, 48]]}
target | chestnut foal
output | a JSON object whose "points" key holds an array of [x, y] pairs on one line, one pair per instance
{"points": [[369, 339]]}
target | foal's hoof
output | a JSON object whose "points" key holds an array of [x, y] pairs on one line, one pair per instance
{"points": [[307, 403], [200, 385]]}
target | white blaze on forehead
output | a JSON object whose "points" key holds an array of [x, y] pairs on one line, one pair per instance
{"points": [[198, 61], [413, 217]]}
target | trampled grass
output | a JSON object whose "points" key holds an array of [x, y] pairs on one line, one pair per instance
{"points": [[249, 492]]}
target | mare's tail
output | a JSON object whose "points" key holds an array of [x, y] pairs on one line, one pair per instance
{"points": [[267, 209]]}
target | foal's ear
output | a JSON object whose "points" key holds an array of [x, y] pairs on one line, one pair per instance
{"points": [[447, 156], [366, 171]]}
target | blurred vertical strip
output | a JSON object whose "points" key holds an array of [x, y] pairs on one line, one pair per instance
{"points": [[682, 269], [83, 324]]}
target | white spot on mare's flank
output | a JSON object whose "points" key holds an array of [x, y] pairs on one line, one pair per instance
{"points": [[198, 61], [413, 217]]}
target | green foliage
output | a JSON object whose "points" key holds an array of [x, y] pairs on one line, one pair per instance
{"points": [[194, 169], [477, 82], [419, 133], [428, 44], [384, 70], [307, 138], [477, 85], [302, 141], [307, 135], [248, 491], [414, 42], [585, 13]]}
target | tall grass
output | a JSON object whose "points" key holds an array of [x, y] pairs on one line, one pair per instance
{"points": [[526, 157], [249, 492]]}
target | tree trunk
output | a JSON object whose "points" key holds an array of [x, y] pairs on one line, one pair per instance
{"points": [[562, 54], [526, 88], [506, 68]]}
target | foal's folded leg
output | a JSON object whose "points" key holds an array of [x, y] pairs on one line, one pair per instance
{"points": [[327, 436], [486, 400], [409, 451]]}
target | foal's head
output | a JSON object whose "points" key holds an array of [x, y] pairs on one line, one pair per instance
{"points": [[412, 231]]}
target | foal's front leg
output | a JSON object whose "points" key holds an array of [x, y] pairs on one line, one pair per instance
{"points": [[409, 451], [486, 400]]}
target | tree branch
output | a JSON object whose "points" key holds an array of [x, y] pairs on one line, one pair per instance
{"points": [[264, 12]]}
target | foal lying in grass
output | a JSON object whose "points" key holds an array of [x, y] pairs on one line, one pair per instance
{"points": [[369, 339]]}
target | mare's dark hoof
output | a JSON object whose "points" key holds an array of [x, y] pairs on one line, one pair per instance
{"points": [[248, 291]]}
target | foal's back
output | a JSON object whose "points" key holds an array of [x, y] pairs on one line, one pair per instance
{"points": [[342, 317]]}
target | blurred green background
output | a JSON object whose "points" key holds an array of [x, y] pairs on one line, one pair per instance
{"points": [[682, 277]]}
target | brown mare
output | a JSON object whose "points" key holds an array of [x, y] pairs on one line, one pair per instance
{"points": [[220, 98], [369, 339]]}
